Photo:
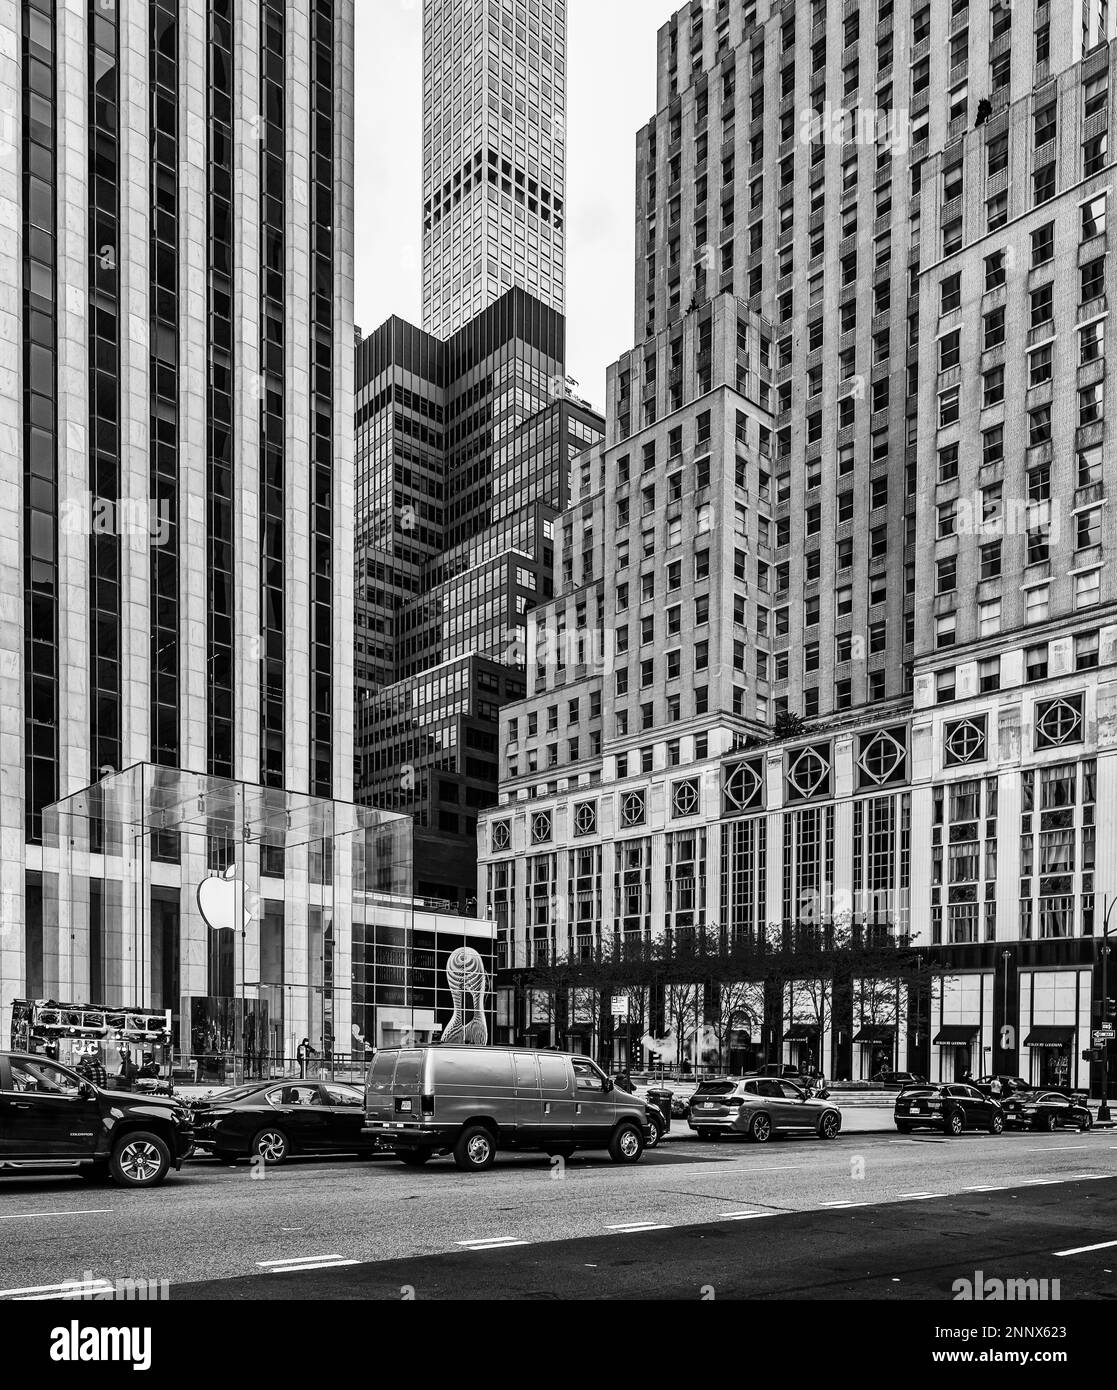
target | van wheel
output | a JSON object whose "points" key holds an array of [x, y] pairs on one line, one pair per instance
{"points": [[475, 1150], [139, 1159], [626, 1145], [414, 1158]]}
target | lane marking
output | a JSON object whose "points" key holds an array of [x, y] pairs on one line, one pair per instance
{"points": [[493, 1243], [985, 1189], [745, 1215], [71, 1286], [1086, 1249], [920, 1196], [1041, 1182], [295, 1260], [632, 1227], [80, 1211], [834, 1206], [301, 1268]]}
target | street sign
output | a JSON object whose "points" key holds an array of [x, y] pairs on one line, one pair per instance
{"points": [[620, 1006], [1103, 1035]]}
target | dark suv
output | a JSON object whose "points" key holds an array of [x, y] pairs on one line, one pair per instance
{"points": [[50, 1113], [951, 1108]]}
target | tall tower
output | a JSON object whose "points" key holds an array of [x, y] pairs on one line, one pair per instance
{"points": [[494, 155], [176, 384]]}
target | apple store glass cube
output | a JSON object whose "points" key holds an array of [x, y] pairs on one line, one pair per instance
{"points": [[230, 904]]}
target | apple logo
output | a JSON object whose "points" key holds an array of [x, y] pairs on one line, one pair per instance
{"points": [[217, 899]]}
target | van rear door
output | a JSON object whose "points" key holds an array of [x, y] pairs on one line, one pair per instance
{"points": [[407, 1086], [378, 1092]]}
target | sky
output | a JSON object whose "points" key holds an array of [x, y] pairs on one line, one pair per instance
{"points": [[610, 96]]}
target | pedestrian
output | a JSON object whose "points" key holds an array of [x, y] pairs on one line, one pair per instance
{"points": [[127, 1071], [304, 1053], [90, 1067]]}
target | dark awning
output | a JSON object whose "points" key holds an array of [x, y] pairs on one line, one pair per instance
{"points": [[880, 1034], [956, 1034], [1048, 1036], [801, 1032]]}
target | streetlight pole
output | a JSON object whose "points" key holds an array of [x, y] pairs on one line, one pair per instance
{"points": [[1103, 1111]]}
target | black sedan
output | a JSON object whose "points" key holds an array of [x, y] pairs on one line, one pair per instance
{"points": [[951, 1108], [1046, 1110], [901, 1079], [271, 1121]]}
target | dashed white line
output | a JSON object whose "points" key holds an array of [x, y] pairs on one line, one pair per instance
{"points": [[72, 1287], [1085, 1249], [838, 1206], [492, 1243], [920, 1196], [745, 1215], [297, 1264], [80, 1211], [633, 1227], [985, 1189]]}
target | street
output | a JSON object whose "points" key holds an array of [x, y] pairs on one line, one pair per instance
{"points": [[870, 1215]]}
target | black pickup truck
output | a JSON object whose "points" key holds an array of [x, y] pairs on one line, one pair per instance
{"points": [[48, 1113]]}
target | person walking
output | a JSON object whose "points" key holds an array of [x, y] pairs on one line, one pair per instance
{"points": [[90, 1067], [303, 1055]]}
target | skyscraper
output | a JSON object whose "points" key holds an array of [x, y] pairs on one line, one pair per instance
{"points": [[463, 462], [900, 223], [176, 452], [494, 155]]}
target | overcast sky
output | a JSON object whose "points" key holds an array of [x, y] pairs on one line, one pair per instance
{"points": [[610, 95]]}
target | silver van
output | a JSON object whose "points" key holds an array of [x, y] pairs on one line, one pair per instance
{"points": [[472, 1101]]}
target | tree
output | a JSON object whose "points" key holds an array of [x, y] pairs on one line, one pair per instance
{"points": [[740, 1004], [787, 724]]}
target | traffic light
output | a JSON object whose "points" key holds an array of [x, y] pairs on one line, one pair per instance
{"points": [[1109, 1010], [1093, 1054]]}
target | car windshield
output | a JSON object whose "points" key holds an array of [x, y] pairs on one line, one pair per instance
{"points": [[237, 1093], [715, 1088]]}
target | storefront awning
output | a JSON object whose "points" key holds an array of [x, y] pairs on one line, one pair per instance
{"points": [[801, 1032], [956, 1034], [877, 1034], [1049, 1036]]}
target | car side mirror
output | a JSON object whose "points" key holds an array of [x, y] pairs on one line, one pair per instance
{"points": [[824, 1095], [607, 1085]]}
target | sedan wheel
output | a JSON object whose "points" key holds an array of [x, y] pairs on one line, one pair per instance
{"points": [[996, 1124], [1086, 1123], [1050, 1122], [270, 1145], [955, 1123], [760, 1130], [655, 1134]]}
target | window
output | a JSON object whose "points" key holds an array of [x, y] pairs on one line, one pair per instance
{"points": [[1093, 280], [1043, 244], [993, 329], [1045, 125], [989, 675], [951, 293], [948, 463], [1095, 154], [947, 519], [996, 211], [989, 618], [945, 631], [993, 386], [1091, 343], [991, 560], [995, 270], [949, 407], [945, 685], [950, 349], [1040, 366], [1087, 589], [997, 154], [1037, 604], [1090, 404], [1035, 664], [1096, 95], [1087, 528], [1042, 306], [946, 574], [1086, 651], [1090, 466]]}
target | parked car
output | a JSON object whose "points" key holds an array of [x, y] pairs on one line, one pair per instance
{"points": [[952, 1108], [1001, 1086], [473, 1101], [657, 1125], [759, 1107], [1046, 1110], [898, 1078], [273, 1120], [49, 1113]]}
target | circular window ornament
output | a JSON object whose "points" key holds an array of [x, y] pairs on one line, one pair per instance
{"points": [[685, 798], [965, 742], [541, 828], [585, 818], [1059, 722], [502, 835], [881, 758], [808, 773], [742, 786], [633, 809]]}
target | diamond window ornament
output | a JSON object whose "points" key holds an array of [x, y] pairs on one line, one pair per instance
{"points": [[634, 808], [808, 772], [502, 835], [685, 798], [743, 786], [541, 828], [882, 757], [1059, 722], [964, 742], [585, 818]]}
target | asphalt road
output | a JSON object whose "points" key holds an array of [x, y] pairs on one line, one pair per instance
{"points": [[867, 1215]]}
